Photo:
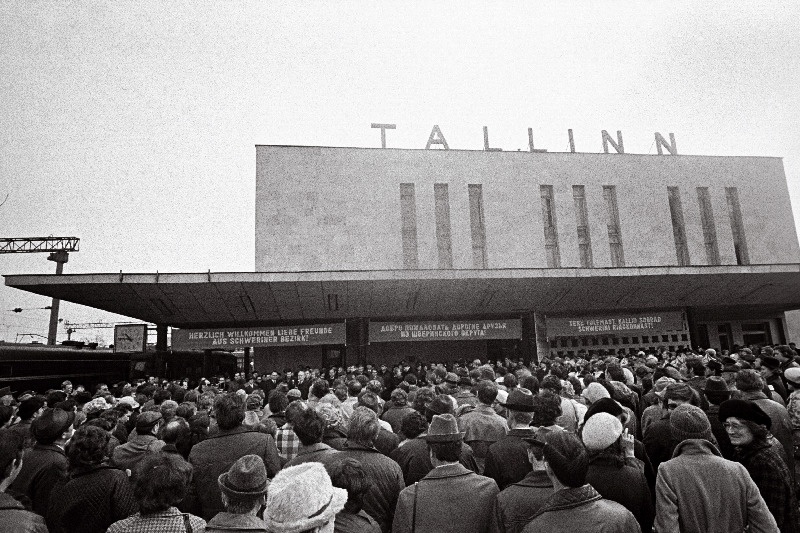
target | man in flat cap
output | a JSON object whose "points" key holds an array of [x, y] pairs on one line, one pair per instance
{"points": [[450, 498], [125, 456], [46, 464]]}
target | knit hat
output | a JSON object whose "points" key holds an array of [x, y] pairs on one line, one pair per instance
{"points": [[689, 422], [246, 477], [601, 431], [744, 410], [594, 391], [301, 498], [716, 385]]}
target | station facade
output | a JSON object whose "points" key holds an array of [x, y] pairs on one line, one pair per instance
{"points": [[382, 255]]}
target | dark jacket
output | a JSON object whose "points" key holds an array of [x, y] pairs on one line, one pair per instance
{"points": [[625, 485], [772, 477], [517, 504], [43, 467], [395, 414], [450, 499], [386, 442], [128, 454], [319, 452], [570, 510], [507, 459], [217, 453], [235, 522], [658, 442], [14, 517], [387, 482], [360, 522], [335, 437], [415, 462], [90, 501]]}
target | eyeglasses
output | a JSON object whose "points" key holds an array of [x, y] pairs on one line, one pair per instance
{"points": [[733, 426]]}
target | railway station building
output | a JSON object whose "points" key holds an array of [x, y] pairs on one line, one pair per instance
{"points": [[382, 255]]}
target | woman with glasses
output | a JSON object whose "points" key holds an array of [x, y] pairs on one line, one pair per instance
{"points": [[747, 425]]}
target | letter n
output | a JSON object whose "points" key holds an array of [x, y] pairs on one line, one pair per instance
{"points": [[618, 146], [672, 148], [436, 137]]}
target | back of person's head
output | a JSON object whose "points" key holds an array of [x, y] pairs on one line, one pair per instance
{"points": [[614, 372], [29, 407], [176, 430], [12, 445], [552, 383], [369, 400], [413, 425], [530, 382], [309, 426], [319, 388], [349, 474], [54, 397], [186, 410], [254, 402], [566, 458], [160, 395], [161, 481], [168, 409], [295, 409], [340, 390], [423, 398], [87, 447], [749, 381], [353, 388], [510, 381], [277, 402], [364, 426], [487, 392], [205, 402], [229, 410], [546, 408]]}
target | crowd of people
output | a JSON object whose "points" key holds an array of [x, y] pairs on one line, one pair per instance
{"points": [[690, 441]]}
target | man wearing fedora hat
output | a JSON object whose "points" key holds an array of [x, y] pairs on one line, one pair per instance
{"points": [[413, 456], [450, 498], [507, 459], [243, 489], [46, 464]]}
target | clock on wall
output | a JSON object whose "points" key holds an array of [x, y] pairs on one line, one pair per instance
{"points": [[130, 338]]}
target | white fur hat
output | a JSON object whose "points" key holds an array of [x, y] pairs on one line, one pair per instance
{"points": [[302, 497], [600, 431], [594, 392]]}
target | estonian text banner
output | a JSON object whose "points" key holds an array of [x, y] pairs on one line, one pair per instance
{"points": [[231, 338], [445, 330], [616, 324]]}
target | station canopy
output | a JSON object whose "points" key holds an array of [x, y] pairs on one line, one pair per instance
{"points": [[247, 299]]}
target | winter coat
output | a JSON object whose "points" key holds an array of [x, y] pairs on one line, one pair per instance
{"points": [[623, 484], [43, 467], [387, 482], [217, 454], [507, 459], [518, 503], [91, 500], [14, 517], [571, 510], [699, 491], [415, 461], [450, 499]]}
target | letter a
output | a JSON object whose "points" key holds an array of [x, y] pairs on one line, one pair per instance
{"points": [[436, 138]]}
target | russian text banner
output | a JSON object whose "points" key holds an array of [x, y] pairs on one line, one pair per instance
{"points": [[445, 330]]}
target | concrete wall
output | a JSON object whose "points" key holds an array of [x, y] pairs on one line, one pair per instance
{"points": [[339, 208]]}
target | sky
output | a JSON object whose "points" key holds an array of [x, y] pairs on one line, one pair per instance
{"points": [[133, 124]]}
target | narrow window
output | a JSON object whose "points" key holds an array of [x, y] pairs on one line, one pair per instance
{"points": [[614, 231], [739, 241], [678, 226], [478, 226], [550, 228], [582, 217], [408, 219], [443, 240], [709, 230]]}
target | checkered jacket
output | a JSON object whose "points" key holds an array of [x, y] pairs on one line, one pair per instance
{"points": [[287, 442]]}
